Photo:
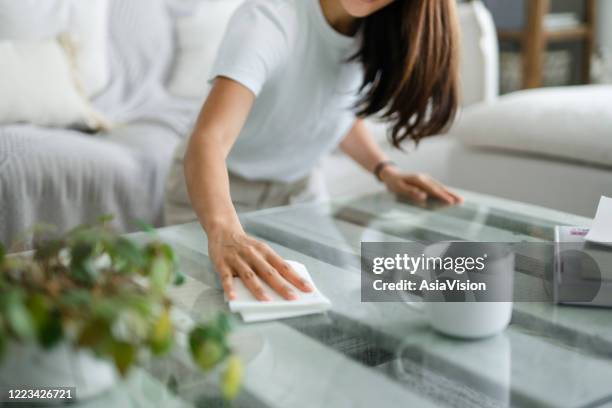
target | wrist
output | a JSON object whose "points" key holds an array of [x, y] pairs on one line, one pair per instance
{"points": [[221, 226], [387, 173], [384, 170]]}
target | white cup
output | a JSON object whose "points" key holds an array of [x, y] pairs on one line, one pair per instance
{"points": [[472, 319]]}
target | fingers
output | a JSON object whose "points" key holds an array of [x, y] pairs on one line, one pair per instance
{"points": [[257, 262], [275, 280], [227, 281], [250, 280], [432, 188], [288, 273], [414, 193], [457, 197], [419, 187], [253, 262], [436, 191], [277, 273]]}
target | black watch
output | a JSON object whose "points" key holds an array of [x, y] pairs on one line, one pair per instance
{"points": [[380, 167]]}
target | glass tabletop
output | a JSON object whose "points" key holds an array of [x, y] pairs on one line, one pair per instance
{"points": [[385, 354]]}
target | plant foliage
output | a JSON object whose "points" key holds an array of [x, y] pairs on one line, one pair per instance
{"points": [[101, 291]]}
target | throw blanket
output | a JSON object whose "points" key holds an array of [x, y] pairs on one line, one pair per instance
{"points": [[65, 177]]}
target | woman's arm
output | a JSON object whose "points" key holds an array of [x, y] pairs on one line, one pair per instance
{"points": [[232, 251], [361, 147]]}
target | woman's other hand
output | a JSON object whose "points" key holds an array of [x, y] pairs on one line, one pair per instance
{"points": [[234, 253], [418, 187]]}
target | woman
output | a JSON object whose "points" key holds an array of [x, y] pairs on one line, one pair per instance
{"points": [[292, 81]]}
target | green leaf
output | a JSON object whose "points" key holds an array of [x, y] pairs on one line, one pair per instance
{"points": [[84, 272], [51, 333], [124, 355], [2, 253], [162, 334], [168, 253], [106, 309], [94, 333], [82, 266], [223, 323], [140, 303], [232, 378], [92, 236], [39, 309], [179, 278], [126, 255], [208, 354], [205, 332], [197, 335], [17, 317], [145, 226], [46, 320], [208, 346], [159, 275], [77, 297]]}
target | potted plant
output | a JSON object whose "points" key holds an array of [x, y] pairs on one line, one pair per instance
{"points": [[90, 299]]}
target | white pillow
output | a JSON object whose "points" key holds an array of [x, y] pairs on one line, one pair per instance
{"points": [[86, 21], [198, 39], [570, 122], [89, 31], [37, 85]]}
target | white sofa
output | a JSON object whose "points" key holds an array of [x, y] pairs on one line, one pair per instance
{"points": [[65, 177], [525, 159]]}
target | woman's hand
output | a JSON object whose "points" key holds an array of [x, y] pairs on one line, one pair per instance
{"points": [[418, 187], [234, 253]]}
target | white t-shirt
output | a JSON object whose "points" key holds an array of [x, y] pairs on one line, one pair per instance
{"points": [[295, 63]]}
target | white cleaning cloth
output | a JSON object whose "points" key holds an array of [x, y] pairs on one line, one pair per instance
{"points": [[601, 230], [253, 310]]}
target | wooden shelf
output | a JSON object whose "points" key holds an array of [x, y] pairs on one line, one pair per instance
{"points": [[568, 34], [534, 39]]}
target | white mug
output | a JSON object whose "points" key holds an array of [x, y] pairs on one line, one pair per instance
{"points": [[472, 319]]}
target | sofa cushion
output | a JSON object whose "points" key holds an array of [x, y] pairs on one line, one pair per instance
{"points": [[46, 97], [573, 123], [85, 21]]}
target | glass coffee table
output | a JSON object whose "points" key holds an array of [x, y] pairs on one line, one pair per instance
{"points": [[385, 354]]}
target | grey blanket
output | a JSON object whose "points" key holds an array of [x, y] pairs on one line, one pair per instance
{"points": [[65, 177]]}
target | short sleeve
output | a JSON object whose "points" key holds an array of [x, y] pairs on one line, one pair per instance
{"points": [[253, 46]]}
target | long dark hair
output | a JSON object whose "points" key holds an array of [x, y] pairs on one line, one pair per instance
{"points": [[410, 56]]}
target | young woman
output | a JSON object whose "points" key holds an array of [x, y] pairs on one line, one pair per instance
{"points": [[293, 80]]}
